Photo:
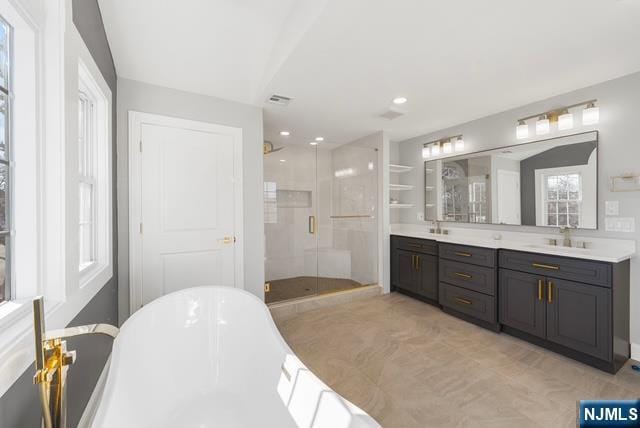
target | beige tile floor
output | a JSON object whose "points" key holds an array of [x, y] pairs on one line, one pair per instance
{"points": [[408, 364]]}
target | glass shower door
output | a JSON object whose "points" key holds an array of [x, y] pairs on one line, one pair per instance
{"points": [[291, 225]]}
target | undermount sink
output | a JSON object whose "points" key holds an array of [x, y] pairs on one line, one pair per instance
{"points": [[558, 248]]}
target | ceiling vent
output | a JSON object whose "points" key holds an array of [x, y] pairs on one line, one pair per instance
{"points": [[279, 100], [393, 113]]}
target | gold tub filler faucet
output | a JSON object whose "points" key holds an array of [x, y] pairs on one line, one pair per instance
{"points": [[53, 360]]}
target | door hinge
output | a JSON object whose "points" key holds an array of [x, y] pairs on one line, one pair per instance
{"points": [[267, 287], [140, 228], [140, 146]]}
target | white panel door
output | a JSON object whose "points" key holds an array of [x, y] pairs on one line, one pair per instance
{"points": [[186, 209], [508, 197]]}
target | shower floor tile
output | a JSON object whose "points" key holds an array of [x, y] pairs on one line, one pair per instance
{"points": [[304, 286]]}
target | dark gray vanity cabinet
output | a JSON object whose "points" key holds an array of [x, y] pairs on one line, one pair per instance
{"points": [[579, 308], [468, 283], [414, 267]]}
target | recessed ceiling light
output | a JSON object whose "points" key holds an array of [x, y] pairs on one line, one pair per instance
{"points": [[319, 138], [399, 100], [283, 160], [285, 133], [313, 143]]}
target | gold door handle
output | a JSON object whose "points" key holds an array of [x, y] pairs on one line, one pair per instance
{"points": [[417, 263], [227, 240], [463, 275], [543, 266], [413, 261], [550, 292], [463, 301], [312, 224], [461, 254], [540, 289]]}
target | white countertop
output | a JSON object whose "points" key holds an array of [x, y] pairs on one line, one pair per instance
{"points": [[601, 249]]}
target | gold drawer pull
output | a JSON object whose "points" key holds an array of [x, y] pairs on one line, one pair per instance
{"points": [[415, 245], [540, 289], [543, 266], [464, 275], [463, 301], [461, 254]]}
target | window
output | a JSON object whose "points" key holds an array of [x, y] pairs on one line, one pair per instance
{"points": [[477, 202], [563, 199], [5, 160], [87, 179]]}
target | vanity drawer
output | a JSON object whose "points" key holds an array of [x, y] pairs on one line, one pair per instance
{"points": [[468, 302], [585, 271], [415, 245], [465, 275], [466, 254]]}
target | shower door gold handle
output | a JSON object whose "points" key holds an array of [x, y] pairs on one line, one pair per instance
{"points": [[312, 224]]}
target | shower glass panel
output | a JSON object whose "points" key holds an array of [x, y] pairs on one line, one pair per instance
{"points": [[320, 210], [290, 188]]}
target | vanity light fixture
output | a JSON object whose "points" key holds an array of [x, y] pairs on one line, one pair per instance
{"points": [[542, 125], [563, 116], [445, 146], [426, 152], [565, 120], [522, 130], [285, 133], [591, 114]]}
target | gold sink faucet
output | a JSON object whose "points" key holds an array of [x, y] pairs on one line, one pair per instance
{"points": [[53, 361]]}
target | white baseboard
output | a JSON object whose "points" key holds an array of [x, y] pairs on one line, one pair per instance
{"points": [[92, 406], [635, 351]]}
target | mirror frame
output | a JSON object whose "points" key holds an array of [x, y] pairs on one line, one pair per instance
{"points": [[466, 155]]}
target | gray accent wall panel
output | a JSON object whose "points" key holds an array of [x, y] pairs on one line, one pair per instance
{"points": [[573, 154], [19, 406]]}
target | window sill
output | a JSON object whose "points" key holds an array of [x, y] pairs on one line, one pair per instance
{"points": [[13, 310]]}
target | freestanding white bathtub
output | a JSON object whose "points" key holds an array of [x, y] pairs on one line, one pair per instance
{"points": [[213, 357]]}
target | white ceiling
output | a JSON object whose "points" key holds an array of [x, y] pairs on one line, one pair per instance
{"points": [[344, 60]]}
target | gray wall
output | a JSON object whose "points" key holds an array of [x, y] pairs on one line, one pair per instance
{"points": [[618, 152], [19, 406], [143, 97], [573, 154]]}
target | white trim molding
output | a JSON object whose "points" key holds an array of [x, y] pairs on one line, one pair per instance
{"points": [[136, 120], [635, 351]]}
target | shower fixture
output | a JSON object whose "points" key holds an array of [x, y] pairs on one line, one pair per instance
{"points": [[268, 148]]}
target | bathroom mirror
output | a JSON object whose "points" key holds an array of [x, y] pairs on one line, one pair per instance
{"points": [[551, 183]]}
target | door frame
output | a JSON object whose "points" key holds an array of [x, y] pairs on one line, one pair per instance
{"points": [[136, 120]]}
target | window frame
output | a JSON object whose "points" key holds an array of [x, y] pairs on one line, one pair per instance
{"points": [[8, 235], [100, 269], [86, 173]]}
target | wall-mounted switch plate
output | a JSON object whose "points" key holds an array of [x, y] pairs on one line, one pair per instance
{"points": [[420, 216], [612, 207], [620, 224]]}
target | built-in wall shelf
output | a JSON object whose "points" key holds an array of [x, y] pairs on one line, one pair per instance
{"points": [[400, 205], [399, 168], [400, 187]]}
